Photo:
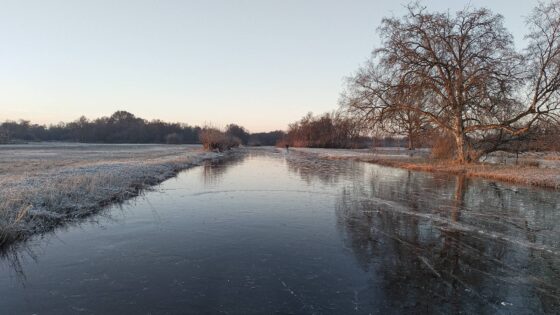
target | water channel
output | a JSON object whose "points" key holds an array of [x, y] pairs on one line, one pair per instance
{"points": [[274, 232]]}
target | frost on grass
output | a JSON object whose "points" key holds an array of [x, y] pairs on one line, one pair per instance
{"points": [[42, 186], [388, 152], [530, 168]]}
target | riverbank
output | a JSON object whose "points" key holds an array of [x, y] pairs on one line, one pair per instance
{"points": [[526, 172], [45, 185]]}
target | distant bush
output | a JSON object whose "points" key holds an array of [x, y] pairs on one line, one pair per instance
{"points": [[281, 143], [238, 132], [214, 139]]}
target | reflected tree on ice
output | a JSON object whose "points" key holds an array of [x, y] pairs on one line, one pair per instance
{"points": [[429, 252]]}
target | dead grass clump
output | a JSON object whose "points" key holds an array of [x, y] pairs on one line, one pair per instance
{"points": [[443, 148], [529, 163], [552, 157]]}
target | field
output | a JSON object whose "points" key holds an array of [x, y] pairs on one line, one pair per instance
{"points": [[43, 185], [531, 168]]}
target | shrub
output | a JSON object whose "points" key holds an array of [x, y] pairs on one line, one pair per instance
{"points": [[530, 163], [443, 147], [213, 139]]}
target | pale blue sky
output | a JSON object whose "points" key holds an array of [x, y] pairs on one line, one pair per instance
{"points": [[262, 64]]}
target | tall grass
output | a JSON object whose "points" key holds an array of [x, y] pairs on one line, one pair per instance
{"points": [[39, 201], [443, 148]]}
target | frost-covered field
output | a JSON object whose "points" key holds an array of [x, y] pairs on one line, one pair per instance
{"points": [[43, 185], [398, 153], [531, 168], [540, 159]]}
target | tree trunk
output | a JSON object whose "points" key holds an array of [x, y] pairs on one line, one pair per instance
{"points": [[410, 142], [460, 153], [460, 188], [460, 140]]}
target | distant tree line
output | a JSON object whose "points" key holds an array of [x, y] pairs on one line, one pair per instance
{"points": [[266, 138], [329, 130], [121, 127]]}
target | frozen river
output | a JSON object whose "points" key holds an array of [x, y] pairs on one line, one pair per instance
{"points": [[270, 232]]}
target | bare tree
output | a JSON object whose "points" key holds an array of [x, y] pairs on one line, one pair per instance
{"points": [[363, 95], [238, 131], [543, 58], [461, 73]]}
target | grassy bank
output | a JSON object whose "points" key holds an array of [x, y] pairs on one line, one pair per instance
{"points": [[519, 174], [523, 173], [44, 185]]}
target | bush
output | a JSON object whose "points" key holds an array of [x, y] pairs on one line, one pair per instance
{"points": [[213, 139], [530, 163], [238, 132], [443, 147]]}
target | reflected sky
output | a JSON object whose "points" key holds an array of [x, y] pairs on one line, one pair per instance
{"points": [[273, 232]]}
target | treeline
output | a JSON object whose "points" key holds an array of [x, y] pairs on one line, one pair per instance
{"points": [[266, 138], [213, 138], [329, 130], [122, 127], [336, 130]]}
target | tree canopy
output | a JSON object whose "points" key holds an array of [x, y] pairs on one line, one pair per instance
{"points": [[461, 74]]}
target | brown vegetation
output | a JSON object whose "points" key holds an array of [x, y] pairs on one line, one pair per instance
{"points": [[214, 139], [325, 131], [527, 173], [443, 147]]}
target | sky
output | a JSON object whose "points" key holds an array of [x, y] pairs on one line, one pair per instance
{"points": [[261, 64]]}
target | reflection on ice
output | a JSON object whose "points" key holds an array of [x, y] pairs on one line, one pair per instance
{"points": [[462, 246]]}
